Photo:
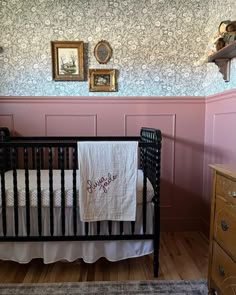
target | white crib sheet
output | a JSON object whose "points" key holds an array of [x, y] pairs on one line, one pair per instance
{"points": [[56, 188]]}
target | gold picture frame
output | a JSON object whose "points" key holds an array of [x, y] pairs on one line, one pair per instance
{"points": [[102, 80], [67, 60], [103, 52]]}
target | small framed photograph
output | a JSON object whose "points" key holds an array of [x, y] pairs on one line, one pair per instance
{"points": [[103, 52], [103, 80], [67, 60]]}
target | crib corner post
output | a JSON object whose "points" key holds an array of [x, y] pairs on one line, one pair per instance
{"points": [[156, 238], [4, 136]]}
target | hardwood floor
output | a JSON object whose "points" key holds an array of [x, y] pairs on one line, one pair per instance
{"points": [[183, 255]]}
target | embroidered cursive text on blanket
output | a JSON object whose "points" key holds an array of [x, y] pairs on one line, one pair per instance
{"points": [[101, 183]]}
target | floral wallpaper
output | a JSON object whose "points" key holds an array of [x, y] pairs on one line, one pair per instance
{"points": [[158, 45]]}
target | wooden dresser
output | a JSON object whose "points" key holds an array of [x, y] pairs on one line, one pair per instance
{"points": [[222, 256]]}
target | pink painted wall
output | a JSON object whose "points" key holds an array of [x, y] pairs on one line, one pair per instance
{"points": [[220, 141], [181, 120], [197, 131]]}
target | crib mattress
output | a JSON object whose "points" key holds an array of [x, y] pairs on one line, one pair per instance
{"points": [[56, 188]]}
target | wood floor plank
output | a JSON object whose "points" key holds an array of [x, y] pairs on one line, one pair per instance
{"points": [[183, 255]]}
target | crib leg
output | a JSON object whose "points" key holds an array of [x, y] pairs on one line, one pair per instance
{"points": [[155, 263], [156, 245]]}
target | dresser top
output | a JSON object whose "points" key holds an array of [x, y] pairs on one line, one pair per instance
{"points": [[228, 169]]}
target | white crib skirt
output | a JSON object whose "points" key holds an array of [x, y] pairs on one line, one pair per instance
{"points": [[89, 251]]}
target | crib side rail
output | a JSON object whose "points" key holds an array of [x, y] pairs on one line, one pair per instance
{"points": [[71, 138], [12, 154], [14, 148]]}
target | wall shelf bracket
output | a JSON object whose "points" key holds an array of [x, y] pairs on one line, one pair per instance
{"points": [[222, 58], [224, 68]]}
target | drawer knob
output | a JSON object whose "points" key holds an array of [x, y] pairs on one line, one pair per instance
{"points": [[232, 194], [224, 225], [221, 271]]}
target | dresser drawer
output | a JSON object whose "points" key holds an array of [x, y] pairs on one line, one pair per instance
{"points": [[225, 225], [226, 188], [223, 271]]}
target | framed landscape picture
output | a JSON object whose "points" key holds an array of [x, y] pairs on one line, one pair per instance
{"points": [[103, 80], [67, 60]]}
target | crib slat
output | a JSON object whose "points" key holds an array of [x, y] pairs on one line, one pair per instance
{"points": [[141, 158], [86, 225], [98, 227], [33, 157], [3, 193], [58, 158], [27, 193], [121, 227], [50, 190], [132, 227], [74, 164], [109, 227], [62, 166], [42, 158], [15, 159], [39, 196], [67, 158]]}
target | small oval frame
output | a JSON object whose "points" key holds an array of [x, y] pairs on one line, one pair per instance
{"points": [[108, 49]]}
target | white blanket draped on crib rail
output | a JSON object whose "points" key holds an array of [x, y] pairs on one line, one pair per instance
{"points": [[108, 176]]}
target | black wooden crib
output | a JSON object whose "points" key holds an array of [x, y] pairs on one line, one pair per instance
{"points": [[22, 157]]}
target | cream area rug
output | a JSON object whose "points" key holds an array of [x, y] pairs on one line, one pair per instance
{"points": [[197, 287]]}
